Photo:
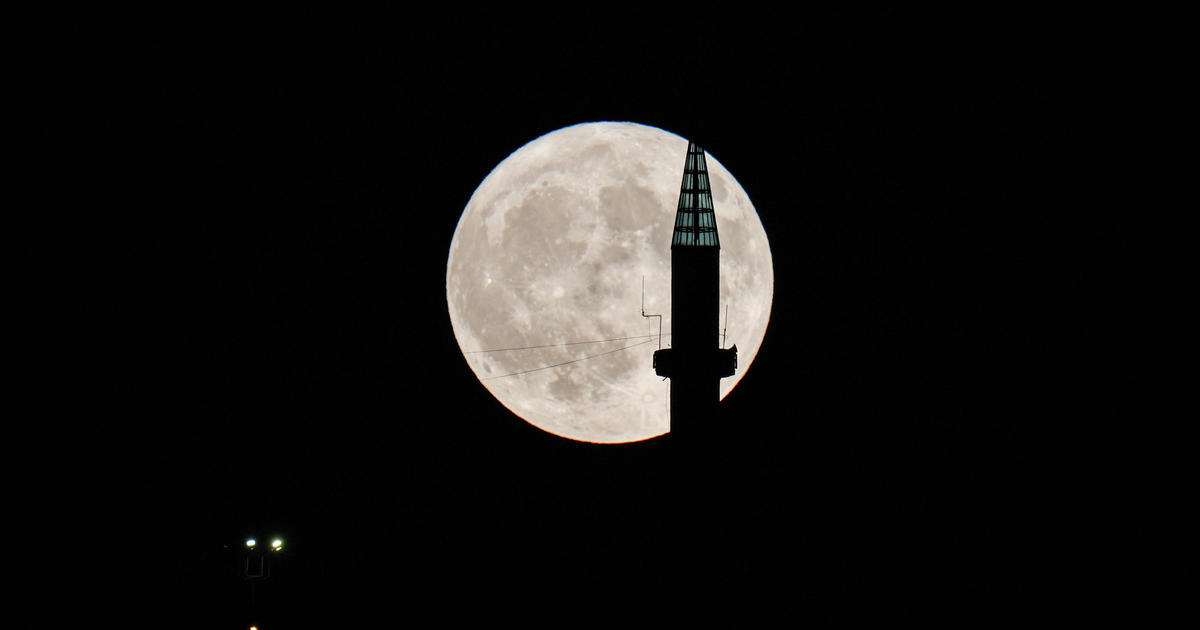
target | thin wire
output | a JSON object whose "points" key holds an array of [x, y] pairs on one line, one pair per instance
{"points": [[547, 367], [555, 345]]}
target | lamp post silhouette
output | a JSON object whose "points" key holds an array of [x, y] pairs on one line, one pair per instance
{"points": [[256, 564]]}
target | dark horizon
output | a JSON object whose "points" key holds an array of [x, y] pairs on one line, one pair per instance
{"points": [[886, 454]]}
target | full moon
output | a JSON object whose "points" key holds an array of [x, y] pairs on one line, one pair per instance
{"points": [[544, 281]]}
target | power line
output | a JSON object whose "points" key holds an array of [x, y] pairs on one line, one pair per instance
{"points": [[547, 367], [556, 345]]}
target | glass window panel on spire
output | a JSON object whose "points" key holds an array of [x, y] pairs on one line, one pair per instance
{"points": [[695, 222]]}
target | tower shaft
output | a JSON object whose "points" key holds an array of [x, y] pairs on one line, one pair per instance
{"points": [[695, 362]]}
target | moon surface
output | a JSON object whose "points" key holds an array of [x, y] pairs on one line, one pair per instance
{"points": [[544, 278]]}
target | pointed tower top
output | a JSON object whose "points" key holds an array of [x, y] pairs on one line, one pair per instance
{"points": [[695, 221]]}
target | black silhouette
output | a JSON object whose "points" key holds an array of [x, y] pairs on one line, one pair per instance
{"points": [[695, 362]]}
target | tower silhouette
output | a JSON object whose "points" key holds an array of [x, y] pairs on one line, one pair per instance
{"points": [[695, 362]]}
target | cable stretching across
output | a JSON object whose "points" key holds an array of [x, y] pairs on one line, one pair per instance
{"points": [[547, 367], [556, 345]]}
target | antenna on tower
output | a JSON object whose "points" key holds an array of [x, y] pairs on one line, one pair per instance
{"points": [[651, 315], [726, 327]]}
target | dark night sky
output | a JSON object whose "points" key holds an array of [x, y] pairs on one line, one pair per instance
{"points": [[284, 274]]}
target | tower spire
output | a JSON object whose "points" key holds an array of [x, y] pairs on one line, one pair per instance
{"points": [[695, 362], [695, 222]]}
